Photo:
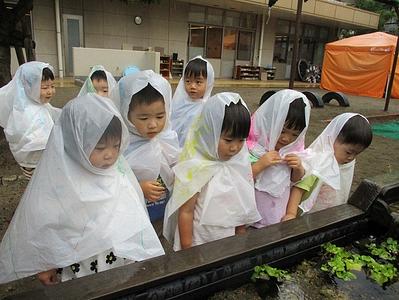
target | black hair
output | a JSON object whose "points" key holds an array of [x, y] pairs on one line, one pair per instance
{"points": [[296, 115], [113, 130], [98, 75], [356, 131], [147, 95], [47, 74], [237, 121], [196, 68]]}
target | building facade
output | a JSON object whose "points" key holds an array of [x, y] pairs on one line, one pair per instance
{"points": [[227, 33]]}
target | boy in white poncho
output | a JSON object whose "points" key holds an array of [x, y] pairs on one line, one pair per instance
{"points": [[193, 90], [213, 195], [153, 149], [83, 210], [26, 114], [331, 163], [99, 81]]}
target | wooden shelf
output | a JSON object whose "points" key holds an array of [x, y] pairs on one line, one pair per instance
{"points": [[165, 66], [177, 68], [247, 73]]}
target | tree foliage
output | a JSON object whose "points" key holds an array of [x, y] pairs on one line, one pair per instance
{"points": [[384, 9]]}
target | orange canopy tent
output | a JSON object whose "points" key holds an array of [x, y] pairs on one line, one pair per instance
{"points": [[360, 65]]}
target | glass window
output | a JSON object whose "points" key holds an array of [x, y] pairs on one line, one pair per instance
{"points": [[215, 16], [197, 40], [229, 39], [232, 18], [280, 49], [283, 27], [214, 42], [247, 20], [196, 14], [244, 45], [323, 34], [309, 30]]}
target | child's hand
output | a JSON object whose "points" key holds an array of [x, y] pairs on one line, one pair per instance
{"points": [[48, 277], [288, 217], [241, 229], [152, 190], [295, 163], [270, 158]]}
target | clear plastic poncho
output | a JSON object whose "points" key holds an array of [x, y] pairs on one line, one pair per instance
{"points": [[185, 109], [88, 86], [229, 199], [267, 124], [27, 122], [149, 158], [72, 210], [335, 180]]}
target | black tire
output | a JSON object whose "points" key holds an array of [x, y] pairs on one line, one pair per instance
{"points": [[340, 97], [266, 96], [314, 98], [301, 68]]}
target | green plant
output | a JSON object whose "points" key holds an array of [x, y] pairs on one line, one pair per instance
{"points": [[340, 262], [387, 249], [267, 272]]}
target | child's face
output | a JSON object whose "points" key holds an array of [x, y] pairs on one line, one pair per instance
{"points": [[101, 87], [149, 119], [47, 91], [195, 86], [345, 153], [106, 152], [228, 146], [286, 137]]}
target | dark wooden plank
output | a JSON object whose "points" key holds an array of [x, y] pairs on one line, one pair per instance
{"points": [[142, 275]]}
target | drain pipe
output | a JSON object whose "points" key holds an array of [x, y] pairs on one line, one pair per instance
{"points": [[59, 43], [261, 39]]}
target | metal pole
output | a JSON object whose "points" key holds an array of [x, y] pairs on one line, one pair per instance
{"points": [[296, 39], [59, 42], [395, 59], [261, 38]]}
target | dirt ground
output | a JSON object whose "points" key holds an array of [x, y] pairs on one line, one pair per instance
{"points": [[380, 158]]}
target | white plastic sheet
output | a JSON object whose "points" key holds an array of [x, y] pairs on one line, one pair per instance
{"points": [[88, 86], [267, 124], [26, 121], [334, 180], [226, 186], [149, 158], [72, 210], [185, 109]]}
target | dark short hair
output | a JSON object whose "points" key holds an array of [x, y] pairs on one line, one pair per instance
{"points": [[196, 68], [356, 131], [113, 130], [296, 115], [237, 121], [147, 95], [98, 75], [47, 74]]}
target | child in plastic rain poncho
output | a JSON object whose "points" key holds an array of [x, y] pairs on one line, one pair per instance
{"points": [[99, 81], [153, 147], [83, 210], [26, 114], [193, 90], [213, 196], [276, 144], [332, 163]]}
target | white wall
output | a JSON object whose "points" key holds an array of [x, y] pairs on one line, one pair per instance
{"points": [[114, 61], [110, 24], [44, 32], [268, 42]]}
